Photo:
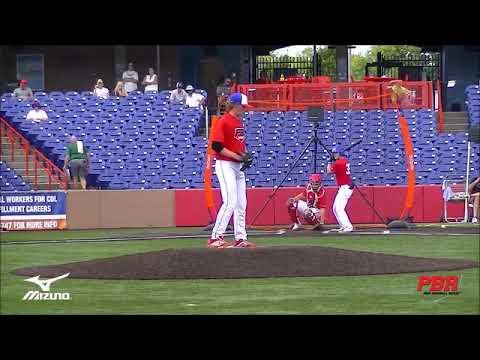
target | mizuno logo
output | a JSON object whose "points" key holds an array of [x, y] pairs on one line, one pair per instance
{"points": [[45, 286]]}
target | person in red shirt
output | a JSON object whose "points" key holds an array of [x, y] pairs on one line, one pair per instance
{"points": [[309, 205], [228, 141], [340, 166]]}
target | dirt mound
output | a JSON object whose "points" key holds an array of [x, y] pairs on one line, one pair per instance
{"points": [[261, 262]]}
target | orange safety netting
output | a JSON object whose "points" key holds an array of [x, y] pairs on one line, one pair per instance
{"points": [[340, 96]]}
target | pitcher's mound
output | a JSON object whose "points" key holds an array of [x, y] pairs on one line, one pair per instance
{"points": [[261, 262]]}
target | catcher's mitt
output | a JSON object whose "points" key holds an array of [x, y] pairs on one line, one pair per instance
{"points": [[292, 202], [247, 160]]}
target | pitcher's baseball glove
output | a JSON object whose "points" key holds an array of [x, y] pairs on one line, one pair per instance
{"points": [[247, 160]]}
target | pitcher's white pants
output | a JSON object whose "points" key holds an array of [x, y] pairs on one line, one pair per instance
{"points": [[234, 196], [341, 200]]}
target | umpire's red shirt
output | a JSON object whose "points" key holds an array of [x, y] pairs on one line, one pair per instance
{"points": [[230, 132], [341, 169]]}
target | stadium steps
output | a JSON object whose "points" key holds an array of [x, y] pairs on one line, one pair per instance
{"points": [[19, 165], [455, 121]]}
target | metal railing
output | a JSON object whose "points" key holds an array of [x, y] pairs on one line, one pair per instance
{"points": [[40, 161], [417, 67]]}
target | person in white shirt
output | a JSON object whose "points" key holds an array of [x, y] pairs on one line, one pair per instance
{"points": [[37, 114], [100, 91], [130, 79], [150, 81], [194, 99], [178, 95]]}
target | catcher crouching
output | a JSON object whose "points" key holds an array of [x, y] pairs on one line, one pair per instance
{"points": [[308, 206]]}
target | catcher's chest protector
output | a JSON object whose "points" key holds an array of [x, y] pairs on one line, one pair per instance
{"points": [[313, 197]]}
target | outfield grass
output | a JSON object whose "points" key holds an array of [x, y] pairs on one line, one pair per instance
{"points": [[379, 294]]}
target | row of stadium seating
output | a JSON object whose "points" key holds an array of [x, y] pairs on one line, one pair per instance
{"points": [[10, 180], [159, 146], [472, 95]]}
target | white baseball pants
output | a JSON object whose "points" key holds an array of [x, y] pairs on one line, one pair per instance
{"points": [[234, 196], [341, 200]]}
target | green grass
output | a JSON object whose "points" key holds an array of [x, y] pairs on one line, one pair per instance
{"points": [[380, 294], [80, 234]]}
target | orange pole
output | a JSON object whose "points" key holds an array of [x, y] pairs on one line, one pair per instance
{"points": [[440, 120], [207, 175], [410, 196]]}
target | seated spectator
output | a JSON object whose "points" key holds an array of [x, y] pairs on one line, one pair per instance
{"points": [[130, 79], [77, 160], [263, 78], [100, 91], [120, 89], [178, 95], [23, 92], [474, 192], [37, 114], [150, 81], [194, 99]]}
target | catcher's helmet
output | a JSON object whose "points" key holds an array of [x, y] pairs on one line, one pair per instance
{"points": [[315, 177], [315, 181]]}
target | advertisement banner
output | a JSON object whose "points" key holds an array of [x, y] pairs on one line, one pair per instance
{"points": [[33, 210]]}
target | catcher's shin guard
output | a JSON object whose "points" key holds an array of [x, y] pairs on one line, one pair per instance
{"points": [[292, 211]]}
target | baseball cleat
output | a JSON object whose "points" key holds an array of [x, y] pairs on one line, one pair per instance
{"points": [[336, 230], [242, 244], [218, 243], [345, 230], [296, 227], [474, 220]]}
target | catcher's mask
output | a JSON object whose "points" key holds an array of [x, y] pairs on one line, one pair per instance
{"points": [[315, 181]]}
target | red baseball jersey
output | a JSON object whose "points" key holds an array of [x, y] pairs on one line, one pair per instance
{"points": [[341, 169], [230, 132], [315, 199]]}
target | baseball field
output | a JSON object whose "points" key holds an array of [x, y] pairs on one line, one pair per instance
{"points": [[389, 293]]}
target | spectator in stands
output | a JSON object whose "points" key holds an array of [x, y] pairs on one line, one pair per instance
{"points": [[223, 92], [130, 78], [178, 95], [120, 89], [150, 81], [23, 92], [100, 91], [224, 89], [234, 84], [77, 160], [263, 78], [400, 95], [474, 192], [37, 114], [194, 99]]}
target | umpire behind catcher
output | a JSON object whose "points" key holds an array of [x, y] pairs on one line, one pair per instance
{"points": [[228, 141], [77, 159]]}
